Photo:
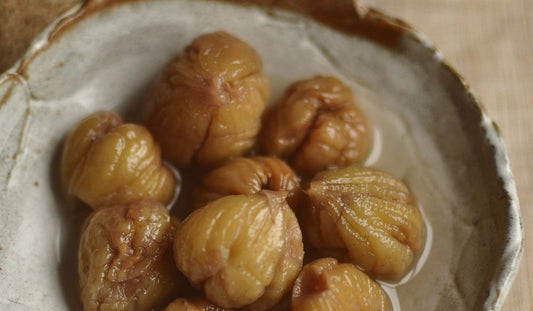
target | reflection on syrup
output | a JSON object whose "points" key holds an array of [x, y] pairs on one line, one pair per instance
{"points": [[394, 151], [418, 263], [179, 182], [421, 258]]}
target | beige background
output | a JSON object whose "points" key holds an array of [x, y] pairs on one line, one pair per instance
{"points": [[489, 41]]}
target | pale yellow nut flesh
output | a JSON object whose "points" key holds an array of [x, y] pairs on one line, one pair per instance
{"points": [[207, 104], [316, 125], [367, 215], [193, 304], [105, 162], [241, 250], [326, 285], [125, 260], [249, 176]]}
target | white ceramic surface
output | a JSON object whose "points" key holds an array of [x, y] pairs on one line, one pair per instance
{"points": [[429, 130]]}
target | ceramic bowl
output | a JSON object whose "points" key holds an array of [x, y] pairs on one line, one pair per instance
{"points": [[429, 130]]}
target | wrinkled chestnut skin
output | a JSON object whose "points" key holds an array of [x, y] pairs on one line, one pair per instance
{"points": [[207, 104], [193, 304], [249, 176], [105, 162], [242, 250], [324, 284], [316, 125], [368, 216], [125, 259]]}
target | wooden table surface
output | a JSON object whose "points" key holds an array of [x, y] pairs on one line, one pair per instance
{"points": [[489, 41]]}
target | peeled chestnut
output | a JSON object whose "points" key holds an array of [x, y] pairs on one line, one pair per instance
{"points": [[193, 304], [369, 217], [207, 104], [241, 250], [124, 260], [249, 176], [316, 125], [105, 162], [324, 284]]}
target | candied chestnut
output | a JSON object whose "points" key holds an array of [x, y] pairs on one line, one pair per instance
{"points": [[316, 125], [207, 104], [242, 250], [193, 304], [324, 284], [125, 259], [105, 162], [249, 176], [368, 216]]}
